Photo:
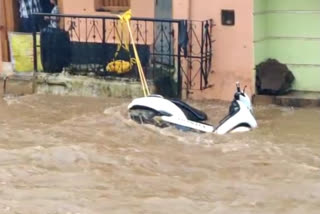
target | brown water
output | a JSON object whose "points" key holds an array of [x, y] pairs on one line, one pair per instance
{"points": [[83, 155]]}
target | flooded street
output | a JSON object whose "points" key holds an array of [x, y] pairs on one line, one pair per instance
{"points": [[73, 155]]}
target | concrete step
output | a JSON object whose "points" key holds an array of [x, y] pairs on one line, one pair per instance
{"points": [[294, 99]]}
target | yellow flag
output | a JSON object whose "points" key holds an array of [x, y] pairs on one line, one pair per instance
{"points": [[126, 16]]}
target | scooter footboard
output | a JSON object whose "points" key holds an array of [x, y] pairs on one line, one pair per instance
{"points": [[188, 124]]}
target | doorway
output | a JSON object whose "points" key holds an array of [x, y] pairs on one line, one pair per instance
{"points": [[10, 22], [163, 29]]}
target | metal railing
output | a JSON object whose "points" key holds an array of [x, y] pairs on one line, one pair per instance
{"points": [[175, 54]]}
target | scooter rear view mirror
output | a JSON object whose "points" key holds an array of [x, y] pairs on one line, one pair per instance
{"points": [[244, 89]]}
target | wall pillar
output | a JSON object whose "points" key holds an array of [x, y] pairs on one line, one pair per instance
{"points": [[233, 47], [181, 9], [1, 27]]}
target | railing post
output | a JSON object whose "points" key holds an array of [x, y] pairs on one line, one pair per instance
{"points": [[179, 64], [35, 54], [208, 53], [103, 30], [202, 45]]}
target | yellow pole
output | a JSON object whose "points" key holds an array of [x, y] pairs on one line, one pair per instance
{"points": [[126, 17]]}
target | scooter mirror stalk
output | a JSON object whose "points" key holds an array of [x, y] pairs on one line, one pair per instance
{"points": [[244, 89], [238, 86]]}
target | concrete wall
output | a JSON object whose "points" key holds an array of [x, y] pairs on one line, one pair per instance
{"points": [[61, 84], [233, 47], [289, 31]]}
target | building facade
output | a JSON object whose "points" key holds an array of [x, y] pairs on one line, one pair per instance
{"points": [[233, 58], [245, 33], [289, 31]]}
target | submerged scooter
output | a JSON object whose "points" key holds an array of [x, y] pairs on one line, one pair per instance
{"points": [[163, 112]]}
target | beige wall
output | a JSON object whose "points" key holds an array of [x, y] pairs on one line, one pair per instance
{"points": [[233, 47]]}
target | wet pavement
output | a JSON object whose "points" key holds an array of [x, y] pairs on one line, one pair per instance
{"points": [[83, 155]]}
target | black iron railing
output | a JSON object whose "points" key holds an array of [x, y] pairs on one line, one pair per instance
{"points": [[175, 54]]}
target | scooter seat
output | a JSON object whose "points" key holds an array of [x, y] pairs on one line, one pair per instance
{"points": [[191, 113]]}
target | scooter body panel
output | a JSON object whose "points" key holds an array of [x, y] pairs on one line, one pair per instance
{"points": [[158, 104], [239, 120]]}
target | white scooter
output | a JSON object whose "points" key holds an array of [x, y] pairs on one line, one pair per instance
{"points": [[163, 112]]}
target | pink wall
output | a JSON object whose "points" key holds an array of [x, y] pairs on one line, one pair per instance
{"points": [[138, 7], [1, 29], [233, 47], [0, 50], [87, 7]]}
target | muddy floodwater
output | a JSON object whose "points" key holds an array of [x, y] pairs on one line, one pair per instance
{"points": [[73, 155]]}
